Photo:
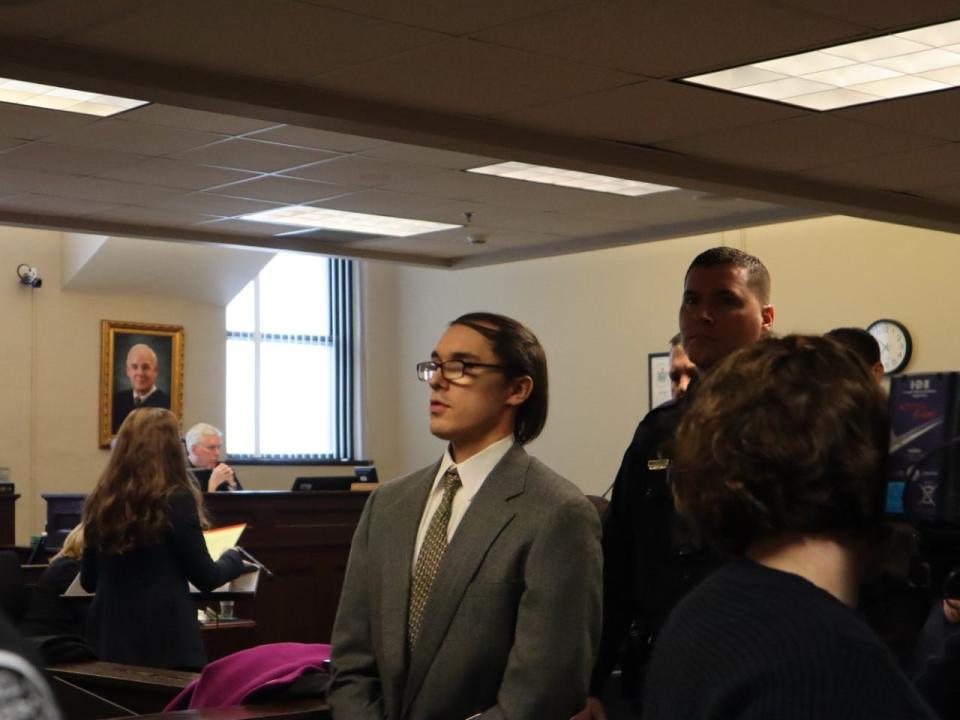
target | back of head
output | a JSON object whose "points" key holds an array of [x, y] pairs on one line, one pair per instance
{"points": [[859, 341], [519, 350], [130, 504], [786, 436], [72, 545], [758, 277]]}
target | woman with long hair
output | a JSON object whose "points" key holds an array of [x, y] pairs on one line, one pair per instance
{"points": [[143, 538]]}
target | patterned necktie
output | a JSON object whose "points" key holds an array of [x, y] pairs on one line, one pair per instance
{"points": [[434, 545]]}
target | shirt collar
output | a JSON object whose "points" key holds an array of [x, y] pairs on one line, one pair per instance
{"points": [[474, 470], [147, 394]]}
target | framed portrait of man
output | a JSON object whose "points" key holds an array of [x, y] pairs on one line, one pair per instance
{"points": [[141, 365]]}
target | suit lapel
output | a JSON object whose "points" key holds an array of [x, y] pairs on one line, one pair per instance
{"points": [[403, 516], [487, 516]]}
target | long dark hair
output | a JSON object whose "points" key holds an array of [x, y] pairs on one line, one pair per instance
{"points": [[520, 351], [130, 505]]}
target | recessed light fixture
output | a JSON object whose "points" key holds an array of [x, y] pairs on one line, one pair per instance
{"points": [[570, 178], [916, 61], [327, 219], [20, 92]]}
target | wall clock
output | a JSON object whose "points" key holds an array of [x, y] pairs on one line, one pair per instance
{"points": [[895, 344]]}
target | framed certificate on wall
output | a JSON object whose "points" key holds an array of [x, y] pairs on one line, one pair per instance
{"points": [[658, 378]]}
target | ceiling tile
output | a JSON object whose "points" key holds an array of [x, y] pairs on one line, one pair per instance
{"points": [[242, 227], [71, 207], [420, 207], [110, 191], [328, 235], [241, 154], [151, 217], [116, 134], [796, 143], [177, 174], [469, 77], [67, 159], [881, 14], [430, 156], [933, 114], [211, 204], [319, 139], [55, 17], [648, 111], [280, 39], [177, 117], [645, 37], [29, 123], [362, 171], [446, 17], [15, 179], [518, 194], [288, 191], [905, 171]]}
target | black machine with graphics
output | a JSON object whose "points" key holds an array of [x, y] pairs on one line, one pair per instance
{"points": [[923, 483]]}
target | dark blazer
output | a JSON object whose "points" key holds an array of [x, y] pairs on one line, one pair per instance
{"points": [[123, 405], [142, 613], [513, 619], [48, 613]]}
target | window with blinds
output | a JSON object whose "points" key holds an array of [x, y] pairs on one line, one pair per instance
{"points": [[290, 376]]}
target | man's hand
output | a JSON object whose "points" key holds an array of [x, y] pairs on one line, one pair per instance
{"points": [[951, 610], [593, 711], [222, 473]]}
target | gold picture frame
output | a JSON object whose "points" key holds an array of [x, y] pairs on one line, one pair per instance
{"points": [[116, 340]]}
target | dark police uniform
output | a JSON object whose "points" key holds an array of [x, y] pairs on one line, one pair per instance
{"points": [[652, 558]]}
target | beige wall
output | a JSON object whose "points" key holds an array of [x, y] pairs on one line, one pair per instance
{"points": [[50, 365], [599, 314]]}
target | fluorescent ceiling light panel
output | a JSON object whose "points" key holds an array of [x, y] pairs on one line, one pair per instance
{"points": [[58, 98], [327, 219], [570, 179], [915, 61]]}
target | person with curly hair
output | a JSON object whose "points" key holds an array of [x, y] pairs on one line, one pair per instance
{"points": [[782, 467], [143, 542]]}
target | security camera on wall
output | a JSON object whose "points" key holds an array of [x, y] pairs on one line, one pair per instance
{"points": [[29, 276]]}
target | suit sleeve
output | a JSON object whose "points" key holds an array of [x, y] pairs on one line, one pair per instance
{"points": [[191, 549], [558, 619], [355, 692]]}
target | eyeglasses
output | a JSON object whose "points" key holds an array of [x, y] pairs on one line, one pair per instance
{"points": [[449, 369]]}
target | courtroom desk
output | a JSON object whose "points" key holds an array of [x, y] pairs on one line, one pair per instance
{"points": [[131, 687], [225, 637], [292, 710], [304, 538]]}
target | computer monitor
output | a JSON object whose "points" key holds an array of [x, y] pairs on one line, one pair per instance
{"points": [[366, 473], [314, 484]]}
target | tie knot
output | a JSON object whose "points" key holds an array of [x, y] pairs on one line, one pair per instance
{"points": [[451, 480]]}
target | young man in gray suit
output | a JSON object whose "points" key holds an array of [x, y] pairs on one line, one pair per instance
{"points": [[473, 586]]}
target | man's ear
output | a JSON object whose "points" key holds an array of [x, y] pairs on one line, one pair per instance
{"points": [[520, 389], [766, 315]]}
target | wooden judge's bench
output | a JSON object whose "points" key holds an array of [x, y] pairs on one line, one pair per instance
{"points": [[303, 538]]}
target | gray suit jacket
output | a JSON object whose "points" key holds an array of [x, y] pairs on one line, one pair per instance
{"points": [[513, 620]]}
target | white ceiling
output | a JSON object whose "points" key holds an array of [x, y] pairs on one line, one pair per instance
{"points": [[377, 106]]}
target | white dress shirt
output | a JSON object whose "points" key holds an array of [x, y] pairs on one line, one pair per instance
{"points": [[473, 472]]}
